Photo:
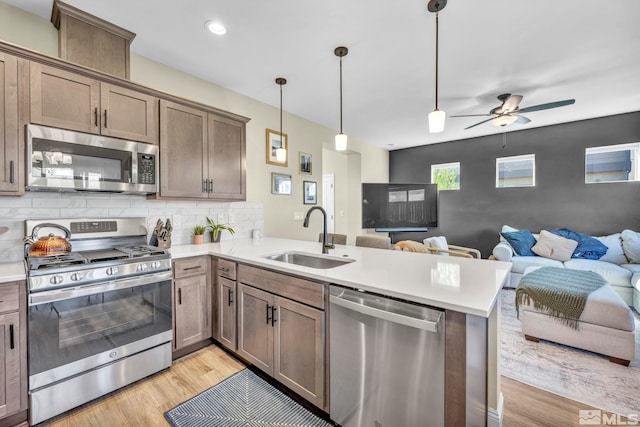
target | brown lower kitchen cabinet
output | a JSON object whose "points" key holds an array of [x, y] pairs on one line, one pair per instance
{"points": [[225, 332], [191, 302], [279, 335], [13, 357]]}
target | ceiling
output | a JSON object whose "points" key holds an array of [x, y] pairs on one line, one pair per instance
{"points": [[545, 50]]}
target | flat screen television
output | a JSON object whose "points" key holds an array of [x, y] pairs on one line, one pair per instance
{"points": [[399, 205]]}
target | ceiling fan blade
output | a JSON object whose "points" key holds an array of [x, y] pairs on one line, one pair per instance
{"points": [[479, 123], [547, 106], [471, 115], [511, 103], [522, 120]]}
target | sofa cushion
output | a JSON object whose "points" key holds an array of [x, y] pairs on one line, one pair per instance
{"points": [[520, 263], [613, 274], [503, 252], [588, 247], [555, 247], [631, 245], [439, 242], [614, 254], [521, 241], [604, 307]]}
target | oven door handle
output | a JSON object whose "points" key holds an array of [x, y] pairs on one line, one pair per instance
{"points": [[63, 294]]}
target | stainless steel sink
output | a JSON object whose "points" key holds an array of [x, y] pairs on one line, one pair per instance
{"points": [[309, 260]]}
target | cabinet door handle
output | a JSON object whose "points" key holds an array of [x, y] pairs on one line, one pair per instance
{"points": [[11, 164], [273, 314], [230, 299], [11, 342], [105, 118], [268, 311], [192, 268], [210, 186], [205, 186], [95, 116], [180, 296]]}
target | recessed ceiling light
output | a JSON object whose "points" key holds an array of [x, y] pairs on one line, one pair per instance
{"points": [[215, 27]]}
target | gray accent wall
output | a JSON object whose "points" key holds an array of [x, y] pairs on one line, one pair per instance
{"points": [[474, 215]]}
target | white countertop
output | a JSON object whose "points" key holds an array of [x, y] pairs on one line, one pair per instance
{"points": [[11, 272], [461, 284]]}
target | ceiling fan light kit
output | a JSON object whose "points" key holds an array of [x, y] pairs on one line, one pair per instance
{"points": [[436, 117], [281, 153], [503, 120], [341, 138]]}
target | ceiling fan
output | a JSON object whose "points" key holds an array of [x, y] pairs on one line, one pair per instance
{"points": [[509, 112]]}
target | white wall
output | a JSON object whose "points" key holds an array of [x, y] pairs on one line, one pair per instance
{"points": [[30, 31]]}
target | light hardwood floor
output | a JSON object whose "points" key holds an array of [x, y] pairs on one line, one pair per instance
{"points": [[144, 403]]}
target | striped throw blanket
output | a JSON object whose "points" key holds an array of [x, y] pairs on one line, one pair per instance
{"points": [[559, 292]]}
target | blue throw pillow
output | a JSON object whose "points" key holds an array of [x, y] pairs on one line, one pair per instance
{"points": [[521, 241], [588, 247]]}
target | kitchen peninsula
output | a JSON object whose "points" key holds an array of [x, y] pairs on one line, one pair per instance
{"points": [[467, 290]]}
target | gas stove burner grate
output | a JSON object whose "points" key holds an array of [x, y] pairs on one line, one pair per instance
{"points": [[57, 261], [141, 251]]}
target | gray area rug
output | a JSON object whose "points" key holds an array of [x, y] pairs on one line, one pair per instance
{"points": [[576, 374], [243, 399]]}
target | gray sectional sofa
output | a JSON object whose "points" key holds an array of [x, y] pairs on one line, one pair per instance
{"points": [[620, 266]]}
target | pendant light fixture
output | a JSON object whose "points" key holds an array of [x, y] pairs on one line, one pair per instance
{"points": [[281, 153], [436, 117], [341, 138]]}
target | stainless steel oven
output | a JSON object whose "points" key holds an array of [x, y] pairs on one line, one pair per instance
{"points": [[99, 318], [62, 160]]}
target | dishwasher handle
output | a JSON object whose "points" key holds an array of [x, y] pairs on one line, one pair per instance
{"points": [[426, 325]]}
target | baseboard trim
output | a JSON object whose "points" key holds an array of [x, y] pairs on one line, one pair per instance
{"points": [[494, 416]]}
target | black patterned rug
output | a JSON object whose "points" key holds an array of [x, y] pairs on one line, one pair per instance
{"points": [[243, 399]]}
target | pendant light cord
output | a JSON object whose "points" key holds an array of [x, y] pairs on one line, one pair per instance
{"points": [[281, 137], [341, 94], [436, 60]]}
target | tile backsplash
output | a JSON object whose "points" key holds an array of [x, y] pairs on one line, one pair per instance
{"points": [[242, 216]]}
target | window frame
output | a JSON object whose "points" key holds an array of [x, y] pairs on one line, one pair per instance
{"points": [[521, 157], [448, 166], [635, 160]]}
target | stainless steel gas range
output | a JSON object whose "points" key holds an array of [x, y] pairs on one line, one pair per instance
{"points": [[100, 316]]}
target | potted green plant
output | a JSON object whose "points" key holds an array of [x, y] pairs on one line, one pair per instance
{"points": [[198, 234], [217, 228]]}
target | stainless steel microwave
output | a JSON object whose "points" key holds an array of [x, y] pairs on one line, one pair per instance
{"points": [[62, 160]]}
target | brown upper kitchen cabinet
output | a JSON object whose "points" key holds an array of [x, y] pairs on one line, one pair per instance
{"points": [[202, 154], [191, 301], [9, 142], [67, 100]]}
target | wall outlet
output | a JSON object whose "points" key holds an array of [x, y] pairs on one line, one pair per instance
{"points": [[232, 218], [298, 216], [223, 218]]}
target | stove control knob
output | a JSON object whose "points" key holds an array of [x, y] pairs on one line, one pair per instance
{"points": [[56, 280], [142, 267], [75, 277], [112, 270], [156, 264]]}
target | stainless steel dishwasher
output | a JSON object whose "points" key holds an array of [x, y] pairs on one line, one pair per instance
{"points": [[386, 361]]}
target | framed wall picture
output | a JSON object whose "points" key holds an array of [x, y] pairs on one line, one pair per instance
{"points": [[276, 140], [310, 192], [280, 183], [304, 163]]}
